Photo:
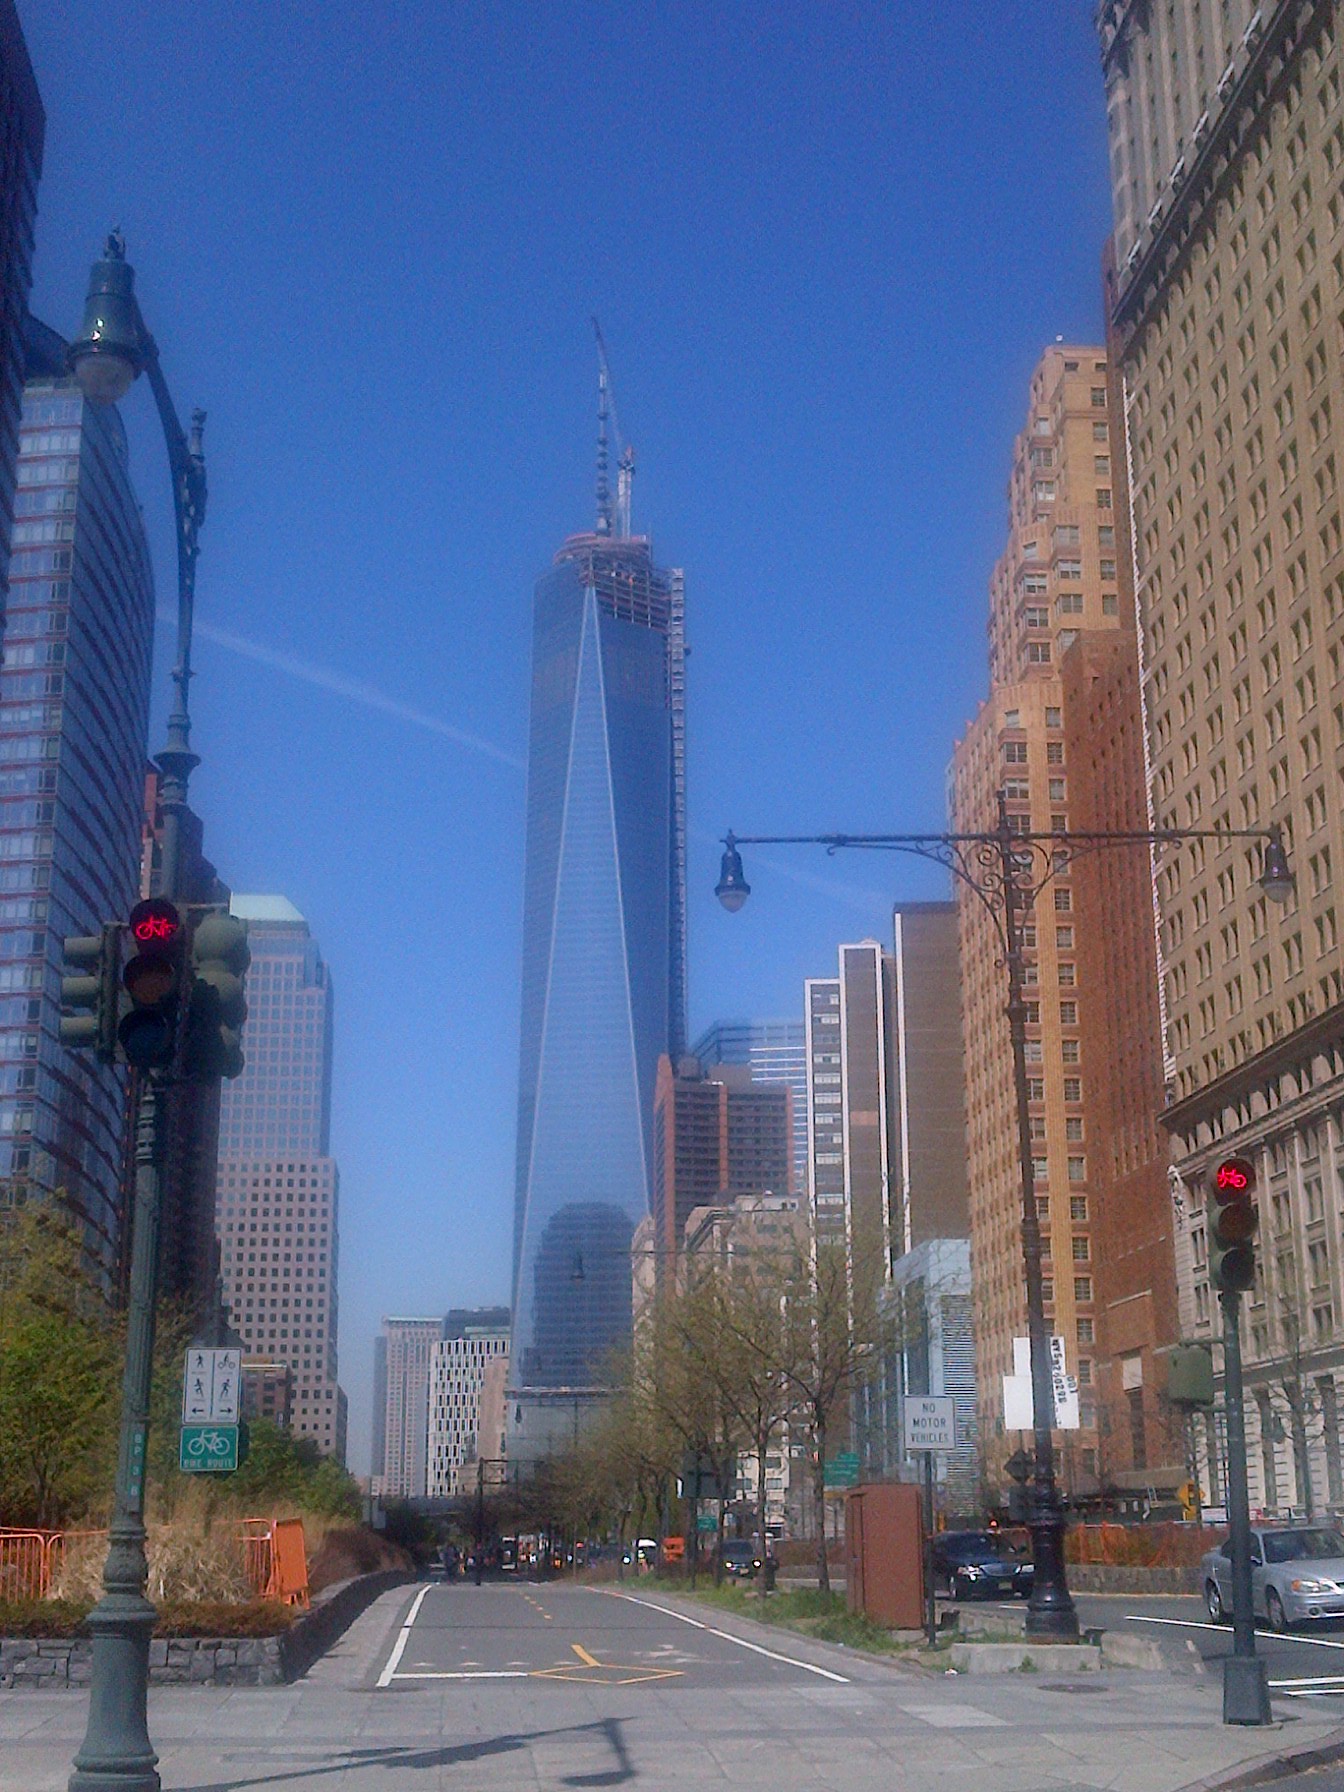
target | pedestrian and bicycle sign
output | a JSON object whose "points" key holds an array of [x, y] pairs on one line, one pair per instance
{"points": [[210, 1386], [210, 1411], [209, 1449]]}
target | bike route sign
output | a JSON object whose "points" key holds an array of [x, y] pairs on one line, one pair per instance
{"points": [[209, 1449]]}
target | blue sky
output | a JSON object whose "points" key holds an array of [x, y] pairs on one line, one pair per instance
{"points": [[827, 242]]}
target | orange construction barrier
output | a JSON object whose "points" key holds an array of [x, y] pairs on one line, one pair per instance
{"points": [[289, 1562]]}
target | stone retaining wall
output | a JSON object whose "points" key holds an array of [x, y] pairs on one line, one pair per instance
{"points": [[61, 1662], [1096, 1577]]}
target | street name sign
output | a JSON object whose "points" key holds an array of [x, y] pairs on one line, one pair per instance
{"points": [[842, 1470], [930, 1422], [209, 1449]]}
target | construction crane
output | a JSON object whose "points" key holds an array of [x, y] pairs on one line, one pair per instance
{"points": [[608, 522]]}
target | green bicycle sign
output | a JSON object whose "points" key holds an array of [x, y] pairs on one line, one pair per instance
{"points": [[208, 1449]]}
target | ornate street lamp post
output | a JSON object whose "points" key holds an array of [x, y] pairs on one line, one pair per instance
{"points": [[112, 349], [1007, 871]]}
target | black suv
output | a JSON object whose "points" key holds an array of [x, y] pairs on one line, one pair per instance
{"points": [[978, 1565]]}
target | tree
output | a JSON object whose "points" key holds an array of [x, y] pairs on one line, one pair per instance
{"points": [[732, 1330], [59, 1373], [833, 1350]]}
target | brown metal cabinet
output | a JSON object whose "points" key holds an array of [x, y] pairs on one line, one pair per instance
{"points": [[884, 1551]]}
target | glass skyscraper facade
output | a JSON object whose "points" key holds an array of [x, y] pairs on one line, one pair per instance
{"points": [[277, 1186], [776, 1052], [603, 947], [22, 129], [74, 710]]}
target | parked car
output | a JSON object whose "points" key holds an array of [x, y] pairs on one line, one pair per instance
{"points": [[978, 1565], [1297, 1573], [740, 1559]]}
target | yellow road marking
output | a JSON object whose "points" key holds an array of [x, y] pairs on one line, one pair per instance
{"points": [[588, 1660]]}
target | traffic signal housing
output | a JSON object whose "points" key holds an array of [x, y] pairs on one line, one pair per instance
{"points": [[219, 960], [1233, 1221], [91, 997], [153, 979]]}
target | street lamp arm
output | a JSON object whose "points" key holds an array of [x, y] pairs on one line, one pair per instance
{"points": [[186, 462]]}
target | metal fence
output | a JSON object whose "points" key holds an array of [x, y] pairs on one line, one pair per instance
{"points": [[274, 1559]]}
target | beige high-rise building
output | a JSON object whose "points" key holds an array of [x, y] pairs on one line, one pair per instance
{"points": [[1056, 578], [1227, 151]]}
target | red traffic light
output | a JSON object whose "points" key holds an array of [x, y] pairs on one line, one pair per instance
{"points": [[152, 979], [1233, 1180], [155, 924]]}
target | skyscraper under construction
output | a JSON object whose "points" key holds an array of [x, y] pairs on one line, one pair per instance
{"points": [[604, 947]]}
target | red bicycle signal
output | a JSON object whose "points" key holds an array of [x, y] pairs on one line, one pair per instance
{"points": [[1233, 1178], [155, 922]]}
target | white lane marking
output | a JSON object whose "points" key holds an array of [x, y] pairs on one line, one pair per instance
{"points": [[1313, 1680], [463, 1674], [1274, 1636], [399, 1647], [1320, 1692], [742, 1643]]}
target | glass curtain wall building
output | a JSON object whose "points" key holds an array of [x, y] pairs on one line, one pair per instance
{"points": [[74, 712], [603, 957], [776, 1051], [22, 130]]}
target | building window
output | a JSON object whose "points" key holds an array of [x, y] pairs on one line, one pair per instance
{"points": [[1082, 1289]]}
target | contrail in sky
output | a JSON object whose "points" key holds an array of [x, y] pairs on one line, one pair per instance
{"points": [[353, 688], [357, 691]]}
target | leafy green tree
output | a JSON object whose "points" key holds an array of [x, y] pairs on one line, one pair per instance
{"points": [[283, 1470], [60, 1356]]}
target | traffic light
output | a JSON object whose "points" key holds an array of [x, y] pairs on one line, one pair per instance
{"points": [[153, 980], [90, 999], [1232, 1225], [219, 958]]}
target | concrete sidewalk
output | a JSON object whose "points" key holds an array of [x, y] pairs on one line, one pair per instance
{"points": [[882, 1726]]}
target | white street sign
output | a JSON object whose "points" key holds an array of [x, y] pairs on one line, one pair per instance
{"points": [[1017, 1402], [930, 1422], [211, 1386]]}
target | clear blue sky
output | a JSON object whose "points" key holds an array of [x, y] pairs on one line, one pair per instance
{"points": [[827, 242]]}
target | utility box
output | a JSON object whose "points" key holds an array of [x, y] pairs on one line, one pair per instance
{"points": [[884, 1550]]}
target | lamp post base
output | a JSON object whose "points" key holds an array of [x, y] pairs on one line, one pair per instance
{"points": [[1245, 1690], [1051, 1613], [116, 1754]]}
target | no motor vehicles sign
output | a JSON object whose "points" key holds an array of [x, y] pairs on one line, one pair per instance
{"points": [[930, 1422]]}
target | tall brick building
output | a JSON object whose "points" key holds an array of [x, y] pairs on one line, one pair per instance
{"points": [[1227, 159]]}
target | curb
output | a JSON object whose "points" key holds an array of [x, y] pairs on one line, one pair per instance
{"points": [[1324, 1753], [331, 1614], [896, 1660]]}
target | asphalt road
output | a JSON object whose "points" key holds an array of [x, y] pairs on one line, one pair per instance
{"points": [[541, 1631], [1305, 1664]]}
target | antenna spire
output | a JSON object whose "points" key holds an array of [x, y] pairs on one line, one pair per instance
{"points": [[603, 404], [610, 522]]}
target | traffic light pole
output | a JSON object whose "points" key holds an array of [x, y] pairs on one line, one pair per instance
{"points": [[1245, 1688], [113, 348], [116, 1751]]}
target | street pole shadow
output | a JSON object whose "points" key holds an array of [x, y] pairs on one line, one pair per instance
{"points": [[614, 1776], [401, 1759]]}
